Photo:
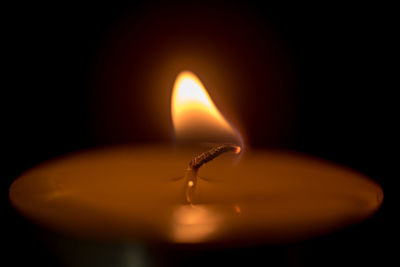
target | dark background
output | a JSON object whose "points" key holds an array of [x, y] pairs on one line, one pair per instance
{"points": [[311, 78]]}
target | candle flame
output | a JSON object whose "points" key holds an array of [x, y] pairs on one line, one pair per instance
{"points": [[194, 114]]}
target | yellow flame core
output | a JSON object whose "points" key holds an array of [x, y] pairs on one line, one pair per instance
{"points": [[194, 114]]}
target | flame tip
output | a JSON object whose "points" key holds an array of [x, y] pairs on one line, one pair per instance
{"points": [[194, 114]]}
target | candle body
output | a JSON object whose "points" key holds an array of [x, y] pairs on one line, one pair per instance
{"points": [[138, 193]]}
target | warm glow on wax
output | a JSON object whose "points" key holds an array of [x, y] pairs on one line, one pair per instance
{"points": [[193, 224], [194, 114]]}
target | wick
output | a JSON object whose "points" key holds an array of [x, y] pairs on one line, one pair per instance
{"points": [[190, 178]]}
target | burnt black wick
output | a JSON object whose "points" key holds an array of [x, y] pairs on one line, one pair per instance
{"points": [[190, 179]]}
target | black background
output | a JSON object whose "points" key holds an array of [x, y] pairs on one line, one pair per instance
{"points": [[315, 78]]}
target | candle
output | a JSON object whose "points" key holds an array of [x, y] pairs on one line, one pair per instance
{"points": [[157, 194]]}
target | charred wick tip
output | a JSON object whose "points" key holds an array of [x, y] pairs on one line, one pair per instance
{"points": [[211, 154]]}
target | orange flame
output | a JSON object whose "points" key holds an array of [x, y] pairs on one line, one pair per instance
{"points": [[194, 114]]}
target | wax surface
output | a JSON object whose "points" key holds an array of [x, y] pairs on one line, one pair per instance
{"points": [[137, 193]]}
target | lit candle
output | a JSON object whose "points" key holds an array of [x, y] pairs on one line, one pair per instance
{"points": [[164, 194]]}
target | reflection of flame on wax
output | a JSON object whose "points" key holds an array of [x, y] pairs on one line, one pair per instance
{"points": [[193, 223], [194, 114], [237, 208]]}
